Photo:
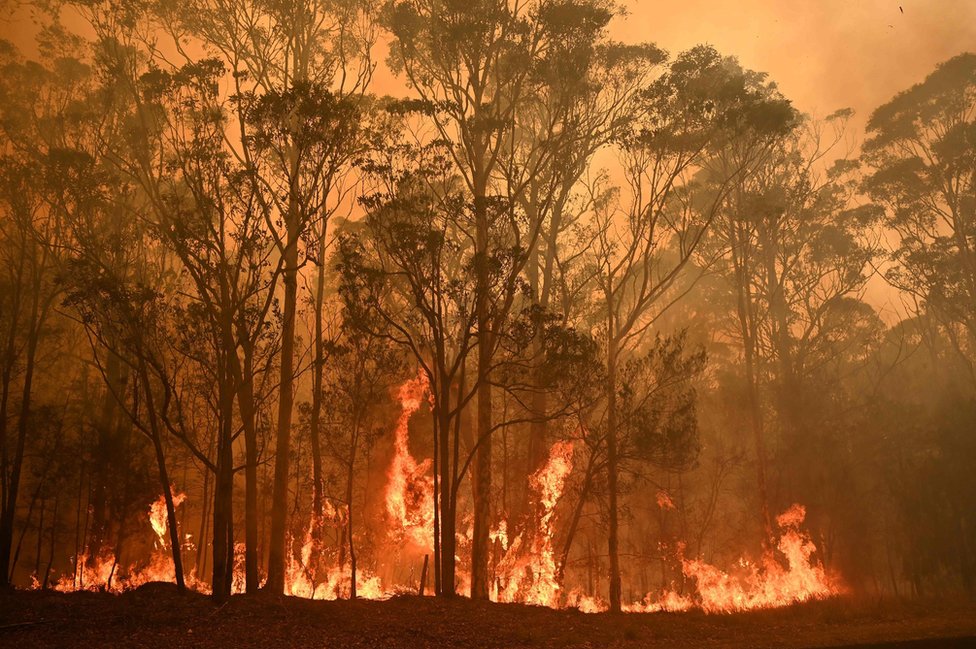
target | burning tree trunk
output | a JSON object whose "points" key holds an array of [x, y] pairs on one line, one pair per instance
{"points": [[156, 437]]}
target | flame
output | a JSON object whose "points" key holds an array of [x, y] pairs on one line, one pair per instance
{"points": [[410, 490], [157, 515], [770, 584], [529, 576], [104, 573], [301, 580], [525, 571], [767, 585], [664, 501]]}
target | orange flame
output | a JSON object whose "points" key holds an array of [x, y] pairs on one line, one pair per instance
{"points": [[410, 490], [105, 573], [529, 576], [768, 585]]}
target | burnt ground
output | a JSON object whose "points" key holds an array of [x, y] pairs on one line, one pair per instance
{"points": [[157, 616]]}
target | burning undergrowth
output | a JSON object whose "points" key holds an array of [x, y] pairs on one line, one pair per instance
{"points": [[525, 566]]}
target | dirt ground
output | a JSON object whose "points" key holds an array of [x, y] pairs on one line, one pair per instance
{"points": [[157, 616]]}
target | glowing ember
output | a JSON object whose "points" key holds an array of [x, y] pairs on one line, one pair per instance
{"points": [[410, 490]]}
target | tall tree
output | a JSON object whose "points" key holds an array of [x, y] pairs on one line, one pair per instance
{"points": [[701, 105], [922, 146]]}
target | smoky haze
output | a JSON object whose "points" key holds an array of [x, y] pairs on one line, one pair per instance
{"points": [[641, 307]]}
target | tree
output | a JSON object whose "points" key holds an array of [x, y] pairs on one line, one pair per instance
{"points": [[922, 147], [301, 65], [37, 131], [406, 276], [703, 105], [484, 66], [796, 258]]}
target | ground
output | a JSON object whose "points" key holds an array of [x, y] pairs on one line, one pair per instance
{"points": [[157, 616]]}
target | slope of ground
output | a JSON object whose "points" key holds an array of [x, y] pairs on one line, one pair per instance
{"points": [[156, 616]]}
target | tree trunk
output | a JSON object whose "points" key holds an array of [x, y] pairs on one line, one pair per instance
{"points": [[174, 534], [612, 540], [350, 480], [482, 473], [223, 519], [279, 497], [747, 330], [245, 399], [447, 545], [13, 485], [318, 369], [575, 519]]}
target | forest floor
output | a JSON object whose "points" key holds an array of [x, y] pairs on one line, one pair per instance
{"points": [[157, 616]]}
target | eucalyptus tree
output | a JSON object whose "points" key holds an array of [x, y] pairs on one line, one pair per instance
{"points": [[501, 76], [42, 179], [704, 114], [588, 85], [797, 258], [406, 277], [922, 145]]}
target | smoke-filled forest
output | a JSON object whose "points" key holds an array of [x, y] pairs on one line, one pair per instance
{"points": [[440, 301]]}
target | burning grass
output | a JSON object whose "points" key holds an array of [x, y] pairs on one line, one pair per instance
{"points": [[526, 570]]}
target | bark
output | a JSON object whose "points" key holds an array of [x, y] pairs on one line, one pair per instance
{"points": [[482, 473], [279, 497], [612, 536], [174, 534]]}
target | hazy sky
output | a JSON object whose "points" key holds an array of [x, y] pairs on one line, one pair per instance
{"points": [[824, 54]]}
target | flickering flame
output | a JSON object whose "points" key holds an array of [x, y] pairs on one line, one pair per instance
{"points": [[105, 573], [302, 580], [527, 572], [770, 584], [158, 518], [410, 489], [664, 500], [767, 585]]}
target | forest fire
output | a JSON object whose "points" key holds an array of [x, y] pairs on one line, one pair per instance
{"points": [[103, 572], [410, 490], [525, 571], [498, 308]]}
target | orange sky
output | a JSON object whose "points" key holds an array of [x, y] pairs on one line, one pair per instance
{"points": [[824, 54]]}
